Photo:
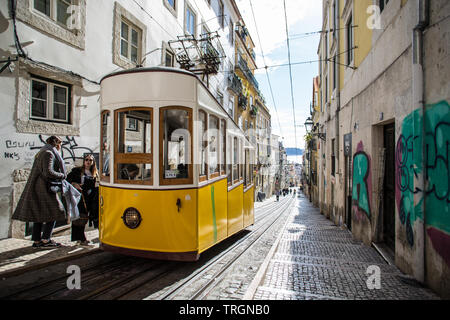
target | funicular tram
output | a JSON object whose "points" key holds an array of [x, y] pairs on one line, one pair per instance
{"points": [[176, 170]]}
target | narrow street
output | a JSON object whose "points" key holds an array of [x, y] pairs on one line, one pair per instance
{"points": [[313, 259], [291, 253]]}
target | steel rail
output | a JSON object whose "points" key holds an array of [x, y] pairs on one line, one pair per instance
{"points": [[172, 293]]}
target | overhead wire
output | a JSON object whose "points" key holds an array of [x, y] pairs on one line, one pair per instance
{"points": [[290, 75], [265, 66]]}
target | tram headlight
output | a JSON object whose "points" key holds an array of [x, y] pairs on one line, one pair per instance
{"points": [[132, 218]]}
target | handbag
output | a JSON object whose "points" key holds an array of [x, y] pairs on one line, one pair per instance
{"points": [[54, 186]]}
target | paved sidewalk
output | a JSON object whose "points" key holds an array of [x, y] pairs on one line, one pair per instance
{"points": [[313, 259], [17, 256]]}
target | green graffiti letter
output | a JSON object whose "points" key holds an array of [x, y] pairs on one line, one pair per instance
{"points": [[360, 194]]}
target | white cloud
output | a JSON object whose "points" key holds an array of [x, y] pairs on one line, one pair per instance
{"points": [[270, 20]]}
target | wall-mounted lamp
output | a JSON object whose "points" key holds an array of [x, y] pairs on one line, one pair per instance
{"points": [[310, 128]]}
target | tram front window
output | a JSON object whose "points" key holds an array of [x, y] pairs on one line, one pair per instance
{"points": [[134, 146], [175, 135]]}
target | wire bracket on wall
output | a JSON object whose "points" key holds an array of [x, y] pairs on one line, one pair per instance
{"points": [[7, 64], [197, 55]]}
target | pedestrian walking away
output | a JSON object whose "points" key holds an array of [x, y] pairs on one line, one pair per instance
{"points": [[41, 200], [84, 179]]}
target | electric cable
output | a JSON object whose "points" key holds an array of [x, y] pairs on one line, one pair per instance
{"points": [[290, 76], [265, 66]]}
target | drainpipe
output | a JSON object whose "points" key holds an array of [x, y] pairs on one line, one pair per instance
{"points": [[338, 98], [419, 102]]}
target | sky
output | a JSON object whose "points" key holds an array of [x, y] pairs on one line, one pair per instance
{"points": [[303, 16]]}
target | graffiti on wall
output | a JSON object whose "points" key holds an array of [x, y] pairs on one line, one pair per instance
{"points": [[362, 184], [25, 150], [435, 168]]}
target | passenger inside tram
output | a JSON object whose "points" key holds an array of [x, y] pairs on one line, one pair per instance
{"points": [[129, 172]]}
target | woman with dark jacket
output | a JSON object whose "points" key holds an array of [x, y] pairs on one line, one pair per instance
{"points": [[84, 179], [39, 204]]}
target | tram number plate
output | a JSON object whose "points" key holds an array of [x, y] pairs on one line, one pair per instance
{"points": [[170, 174]]}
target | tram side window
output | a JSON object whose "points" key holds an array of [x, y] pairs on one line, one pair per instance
{"points": [[203, 141], [105, 147], [213, 146], [252, 168], [223, 137], [175, 145], [134, 146], [235, 159], [241, 164], [247, 168], [229, 161]]}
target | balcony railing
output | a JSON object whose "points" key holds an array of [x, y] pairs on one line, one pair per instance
{"points": [[242, 64], [234, 83], [242, 102], [254, 111]]}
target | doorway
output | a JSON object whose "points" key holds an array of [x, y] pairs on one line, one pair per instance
{"points": [[389, 187], [348, 179]]}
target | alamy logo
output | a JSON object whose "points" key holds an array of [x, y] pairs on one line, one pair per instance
{"points": [[374, 279], [74, 19], [74, 281], [374, 22]]}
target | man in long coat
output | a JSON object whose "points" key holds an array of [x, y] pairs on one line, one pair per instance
{"points": [[37, 203]]}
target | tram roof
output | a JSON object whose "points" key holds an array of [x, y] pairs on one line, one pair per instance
{"points": [[149, 69]]}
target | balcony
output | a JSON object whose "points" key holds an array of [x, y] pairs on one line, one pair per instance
{"points": [[234, 83], [242, 64], [253, 111], [242, 102]]}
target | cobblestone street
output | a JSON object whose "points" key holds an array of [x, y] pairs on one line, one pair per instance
{"points": [[314, 259]]}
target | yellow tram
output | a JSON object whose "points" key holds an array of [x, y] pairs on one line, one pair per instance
{"points": [[176, 170]]}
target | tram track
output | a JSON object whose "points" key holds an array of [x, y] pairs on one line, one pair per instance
{"points": [[205, 287], [129, 277]]}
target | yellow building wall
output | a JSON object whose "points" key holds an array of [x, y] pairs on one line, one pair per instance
{"points": [[363, 35]]}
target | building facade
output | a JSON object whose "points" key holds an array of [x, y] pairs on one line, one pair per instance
{"points": [[384, 93], [54, 53]]}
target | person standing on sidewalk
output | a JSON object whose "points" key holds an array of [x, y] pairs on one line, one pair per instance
{"points": [[84, 179], [40, 202]]}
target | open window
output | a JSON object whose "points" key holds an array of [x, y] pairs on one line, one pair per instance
{"points": [[133, 156], [175, 145]]}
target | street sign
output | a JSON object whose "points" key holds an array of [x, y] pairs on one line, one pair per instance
{"points": [[348, 144]]}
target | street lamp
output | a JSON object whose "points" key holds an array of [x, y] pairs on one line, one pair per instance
{"points": [[309, 125]]}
